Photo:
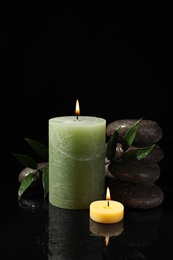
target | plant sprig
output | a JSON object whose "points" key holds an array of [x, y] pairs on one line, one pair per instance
{"points": [[28, 161], [128, 155]]}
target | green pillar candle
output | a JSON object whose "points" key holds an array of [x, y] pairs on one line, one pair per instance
{"points": [[76, 161]]}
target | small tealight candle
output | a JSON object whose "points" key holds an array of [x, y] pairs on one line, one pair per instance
{"points": [[106, 211]]}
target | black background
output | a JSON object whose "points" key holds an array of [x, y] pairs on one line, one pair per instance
{"points": [[115, 58]]}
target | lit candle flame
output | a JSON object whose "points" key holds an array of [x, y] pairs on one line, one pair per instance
{"points": [[77, 110], [108, 196]]}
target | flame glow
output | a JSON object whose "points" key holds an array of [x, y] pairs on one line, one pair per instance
{"points": [[77, 110], [108, 196]]}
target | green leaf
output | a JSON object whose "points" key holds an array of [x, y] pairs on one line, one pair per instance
{"points": [[130, 135], [45, 180], [137, 153], [27, 181], [38, 147], [111, 145], [26, 160]]}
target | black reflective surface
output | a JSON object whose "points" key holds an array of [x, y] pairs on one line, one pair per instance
{"points": [[34, 229]]}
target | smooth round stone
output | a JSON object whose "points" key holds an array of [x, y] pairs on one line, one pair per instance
{"points": [[155, 156], [148, 132], [139, 196], [135, 172]]}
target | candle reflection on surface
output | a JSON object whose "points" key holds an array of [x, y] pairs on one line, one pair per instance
{"points": [[69, 235], [107, 231]]}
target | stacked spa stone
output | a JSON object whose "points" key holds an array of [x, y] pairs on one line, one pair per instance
{"points": [[135, 183]]}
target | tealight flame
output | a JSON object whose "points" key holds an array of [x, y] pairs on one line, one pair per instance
{"points": [[108, 196], [77, 110]]}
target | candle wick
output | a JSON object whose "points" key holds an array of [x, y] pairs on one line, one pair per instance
{"points": [[77, 117], [108, 203]]}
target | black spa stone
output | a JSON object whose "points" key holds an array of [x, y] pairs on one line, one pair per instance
{"points": [[135, 172], [148, 132], [154, 156], [139, 196]]}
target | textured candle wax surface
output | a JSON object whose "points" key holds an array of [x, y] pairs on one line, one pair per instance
{"points": [[76, 161], [101, 212]]}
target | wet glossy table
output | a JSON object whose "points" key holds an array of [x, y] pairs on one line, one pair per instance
{"points": [[37, 230]]}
